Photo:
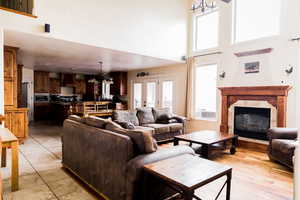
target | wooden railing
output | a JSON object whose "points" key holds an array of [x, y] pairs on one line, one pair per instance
{"points": [[24, 6]]}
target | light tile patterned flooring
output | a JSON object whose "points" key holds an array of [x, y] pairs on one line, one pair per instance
{"points": [[42, 178], [41, 175]]}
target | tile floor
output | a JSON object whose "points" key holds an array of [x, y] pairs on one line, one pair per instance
{"points": [[42, 178], [41, 175]]}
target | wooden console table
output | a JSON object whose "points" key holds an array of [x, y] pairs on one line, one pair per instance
{"points": [[9, 140]]}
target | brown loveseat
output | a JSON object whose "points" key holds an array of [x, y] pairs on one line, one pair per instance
{"points": [[282, 143], [163, 124], [110, 162]]}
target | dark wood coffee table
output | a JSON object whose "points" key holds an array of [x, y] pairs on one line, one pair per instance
{"points": [[207, 140], [186, 173]]}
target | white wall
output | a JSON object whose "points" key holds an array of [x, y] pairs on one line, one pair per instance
{"points": [[1, 74], [178, 73], [154, 28], [273, 65]]}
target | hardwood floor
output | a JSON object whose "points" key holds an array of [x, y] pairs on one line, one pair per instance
{"points": [[41, 177], [254, 177]]}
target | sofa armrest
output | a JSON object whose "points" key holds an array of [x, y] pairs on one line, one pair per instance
{"points": [[283, 133], [134, 167], [179, 119]]}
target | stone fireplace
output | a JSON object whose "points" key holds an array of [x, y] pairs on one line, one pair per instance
{"points": [[251, 111]]}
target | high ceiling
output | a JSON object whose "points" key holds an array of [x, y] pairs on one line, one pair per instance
{"points": [[47, 54]]}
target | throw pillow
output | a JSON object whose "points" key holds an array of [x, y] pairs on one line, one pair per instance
{"points": [[162, 115], [126, 125], [126, 116], [145, 116], [96, 121], [110, 125], [142, 139]]}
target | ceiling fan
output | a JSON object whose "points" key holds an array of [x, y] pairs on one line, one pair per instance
{"points": [[205, 4]]}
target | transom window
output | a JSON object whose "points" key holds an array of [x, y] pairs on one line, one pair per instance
{"points": [[206, 92], [206, 35], [255, 19]]}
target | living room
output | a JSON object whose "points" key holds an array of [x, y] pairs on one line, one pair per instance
{"points": [[207, 78]]}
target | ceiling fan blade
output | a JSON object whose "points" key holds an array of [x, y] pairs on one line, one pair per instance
{"points": [[227, 1]]}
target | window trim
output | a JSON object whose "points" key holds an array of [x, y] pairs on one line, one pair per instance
{"points": [[234, 26], [194, 91], [195, 31]]}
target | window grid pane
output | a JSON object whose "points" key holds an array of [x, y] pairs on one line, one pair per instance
{"points": [[256, 19], [205, 92], [167, 95], [151, 94], [137, 92], [207, 31]]}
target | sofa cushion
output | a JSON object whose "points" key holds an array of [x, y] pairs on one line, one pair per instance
{"points": [[159, 128], [174, 127], [126, 116], [142, 139], [162, 115], [96, 121], [126, 125], [135, 166], [286, 147], [76, 118], [144, 128], [111, 125], [145, 116]]}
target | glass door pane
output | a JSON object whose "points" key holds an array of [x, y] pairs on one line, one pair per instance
{"points": [[137, 95], [151, 94], [167, 94]]}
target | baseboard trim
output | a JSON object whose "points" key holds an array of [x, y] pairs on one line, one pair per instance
{"points": [[254, 146]]}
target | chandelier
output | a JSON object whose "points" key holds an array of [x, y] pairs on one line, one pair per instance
{"points": [[204, 5]]}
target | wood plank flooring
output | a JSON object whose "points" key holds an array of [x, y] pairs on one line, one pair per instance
{"points": [[254, 176]]}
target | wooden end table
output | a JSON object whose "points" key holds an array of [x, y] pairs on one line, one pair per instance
{"points": [[187, 172], [207, 139], [9, 140]]}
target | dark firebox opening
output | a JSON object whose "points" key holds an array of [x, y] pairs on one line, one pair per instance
{"points": [[252, 122]]}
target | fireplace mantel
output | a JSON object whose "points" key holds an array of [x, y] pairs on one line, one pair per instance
{"points": [[275, 95]]}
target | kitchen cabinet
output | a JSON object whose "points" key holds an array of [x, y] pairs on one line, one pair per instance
{"points": [[54, 86], [16, 120], [80, 87], [68, 80], [119, 87], [10, 77], [41, 111], [41, 82]]}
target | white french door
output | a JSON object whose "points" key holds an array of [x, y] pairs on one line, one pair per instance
{"points": [[145, 93], [153, 93]]}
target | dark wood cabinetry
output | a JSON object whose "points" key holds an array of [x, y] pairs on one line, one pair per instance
{"points": [[80, 87], [120, 83], [67, 80], [54, 87], [41, 82], [41, 111]]}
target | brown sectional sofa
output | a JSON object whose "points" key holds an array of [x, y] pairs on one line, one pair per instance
{"points": [[282, 144], [110, 163], [161, 122]]}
